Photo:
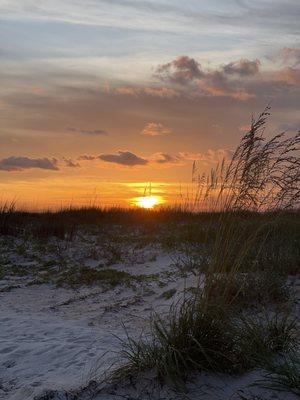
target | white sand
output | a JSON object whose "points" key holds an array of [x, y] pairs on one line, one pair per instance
{"points": [[58, 338]]}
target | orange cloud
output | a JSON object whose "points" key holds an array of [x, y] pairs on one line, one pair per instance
{"points": [[164, 158], [289, 75], [71, 163], [211, 156], [155, 129], [163, 92]]}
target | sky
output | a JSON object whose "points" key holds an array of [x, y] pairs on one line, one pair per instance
{"points": [[100, 97]]}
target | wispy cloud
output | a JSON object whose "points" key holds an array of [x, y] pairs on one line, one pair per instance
{"points": [[69, 162], [211, 156], [149, 91], [155, 129], [164, 158], [87, 157], [89, 132], [290, 55], [177, 17]]}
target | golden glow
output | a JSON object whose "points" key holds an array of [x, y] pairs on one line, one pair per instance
{"points": [[58, 191], [148, 201]]}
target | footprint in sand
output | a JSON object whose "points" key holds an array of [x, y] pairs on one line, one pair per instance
{"points": [[9, 364], [35, 384]]}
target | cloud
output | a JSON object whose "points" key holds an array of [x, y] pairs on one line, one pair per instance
{"points": [[71, 163], [155, 129], [289, 75], [182, 70], [87, 157], [163, 92], [225, 81], [263, 18], [127, 158], [210, 156], [244, 128], [93, 132], [164, 158], [124, 158], [290, 55], [155, 91], [243, 79], [290, 127], [161, 159], [217, 84], [14, 163], [243, 67]]}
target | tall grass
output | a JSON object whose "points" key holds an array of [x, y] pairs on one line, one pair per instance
{"points": [[7, 214], [208, 332], [65, 222], [262, 175]]}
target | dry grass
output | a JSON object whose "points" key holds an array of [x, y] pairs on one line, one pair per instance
{"points": [[207, 331]]}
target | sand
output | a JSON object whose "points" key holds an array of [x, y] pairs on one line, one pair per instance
{"points": [[55, 340]]}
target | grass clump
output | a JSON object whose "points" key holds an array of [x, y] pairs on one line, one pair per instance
{"points": [[8, 217], [201, 335], [168, 294], [262, 337], [249, 289], [283, 374], [193, 337], [2, 273], [51, 225], [90, 276]]}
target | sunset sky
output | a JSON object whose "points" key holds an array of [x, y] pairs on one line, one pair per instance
{"points": [[100, 97]]}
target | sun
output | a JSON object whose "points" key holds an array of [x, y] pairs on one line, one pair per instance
{"points": [[148, 201]]}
